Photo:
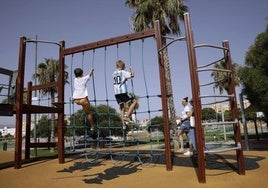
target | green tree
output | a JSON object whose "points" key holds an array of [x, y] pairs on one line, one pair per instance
{"points": [[208, 113], [227, 115], [104, 116], [221, 77], [168, 12], [43, 127], [157, 120], [48, 72], [254, 75]]}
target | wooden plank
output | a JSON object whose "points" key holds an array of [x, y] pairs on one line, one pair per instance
{"points": [[7, 109], [109, 42], [6, 71], [43, 86], [35, 109], [43, 145]]}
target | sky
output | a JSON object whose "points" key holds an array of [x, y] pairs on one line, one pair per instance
{"points": [[85, 21]]}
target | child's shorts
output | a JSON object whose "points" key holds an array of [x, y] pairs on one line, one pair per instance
{"points": [[123, 98]]}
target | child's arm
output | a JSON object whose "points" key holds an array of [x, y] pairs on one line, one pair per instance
{"points": [[91, 72], [131, 72]]}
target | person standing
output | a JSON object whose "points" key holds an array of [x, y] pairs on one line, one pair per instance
{"points": [[184, 122], [192, 140]]}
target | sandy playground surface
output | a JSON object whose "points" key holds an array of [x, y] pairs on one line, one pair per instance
{"points": [[129, 173]]}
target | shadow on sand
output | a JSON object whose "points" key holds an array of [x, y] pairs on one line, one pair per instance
{"points": [[222, 163]]}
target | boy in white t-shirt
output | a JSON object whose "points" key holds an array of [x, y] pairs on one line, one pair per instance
{"points": [[80, 94], [122, 96]]}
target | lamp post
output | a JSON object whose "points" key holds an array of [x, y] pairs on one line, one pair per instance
{"points": [[244, 121], [35, 96], [222, 117], [215, 103]]}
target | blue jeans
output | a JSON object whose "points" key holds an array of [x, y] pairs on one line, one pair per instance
{"points": [[192, 137], [185, 125]]}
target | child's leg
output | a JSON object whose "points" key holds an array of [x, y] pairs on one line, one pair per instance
{"points": [[122, 112], [132, 106], [181, 142], [86, 107], [180, 135]]}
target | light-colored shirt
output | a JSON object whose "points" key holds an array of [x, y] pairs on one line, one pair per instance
{"points": [[186, 109], [120, 81], [80, 87]]}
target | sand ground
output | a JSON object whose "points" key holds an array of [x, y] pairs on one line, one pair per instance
{"points": [[129, 173]]}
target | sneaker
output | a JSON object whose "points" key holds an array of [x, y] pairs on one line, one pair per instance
{"points": [[92, 129], [124, 127], [127, 119], [181, 150], [188, 153]]}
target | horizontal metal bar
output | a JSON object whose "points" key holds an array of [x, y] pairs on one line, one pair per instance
{"points": [[222, 149], [214, 62], [41, 41], [173, 40], [220, 123], [210, 83], [210, 45], [210, 96], [216, 102], [213, 69]]}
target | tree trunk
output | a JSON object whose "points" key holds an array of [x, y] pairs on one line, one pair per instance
{"points": [[171, 106]]}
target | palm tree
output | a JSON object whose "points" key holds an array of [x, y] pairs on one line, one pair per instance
{"points": [[221, 78], [168, 12], [47, 72]]}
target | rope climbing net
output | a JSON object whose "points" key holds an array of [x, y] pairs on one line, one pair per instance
{"points": [[110, 138]]}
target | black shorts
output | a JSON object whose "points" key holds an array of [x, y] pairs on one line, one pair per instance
{"points": [[123, 98]]}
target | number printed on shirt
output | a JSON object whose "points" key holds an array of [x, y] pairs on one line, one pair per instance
{"points": [[117, 80]]}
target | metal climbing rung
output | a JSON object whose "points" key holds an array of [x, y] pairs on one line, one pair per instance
{"points": [[217, 102], [211, 96], [222, 149], [173, 40], [211, 46], [214, 82], [212, 63], [212, 69], [220, 123]]}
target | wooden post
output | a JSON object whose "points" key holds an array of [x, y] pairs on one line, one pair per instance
{"points": [[163, 95], [61, 100], [196, 99], [233, 106], [19, 103], [28, 122]]}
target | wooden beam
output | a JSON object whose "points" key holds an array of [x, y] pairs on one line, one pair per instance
{"points": [[7, 109], [35, 109], [6, 71], [43, 145], [109, 42], [43, 86]]}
